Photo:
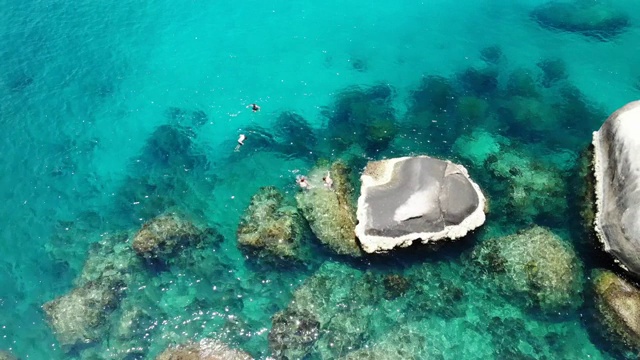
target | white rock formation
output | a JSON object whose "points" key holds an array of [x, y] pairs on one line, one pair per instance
{"points": [[411, 198], [617, 173]]}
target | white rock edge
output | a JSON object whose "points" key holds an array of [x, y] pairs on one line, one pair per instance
{"points": [[372, 243], [625, 117]]}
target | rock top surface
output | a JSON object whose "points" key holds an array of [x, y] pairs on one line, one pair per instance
{"points": [[617, 174], [410, 198]]}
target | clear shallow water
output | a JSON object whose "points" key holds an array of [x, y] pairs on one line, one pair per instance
{"points": [[83, 86]]}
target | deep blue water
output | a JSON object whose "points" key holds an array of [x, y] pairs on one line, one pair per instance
{"points": [[85, 86]]}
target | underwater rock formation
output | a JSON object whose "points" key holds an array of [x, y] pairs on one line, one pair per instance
{"points": [[79, 316], [589, 18], [172, 146], [271, 225], [110, 259], [411, 198], [4, 355], [164, 235], [403, 343], [330, 212], [295, 134], [537, 264], [618, 305], [293, 333], [329, 315], [363, 116], [206, 349], [529, 186], [553, 70], [616, 163]]}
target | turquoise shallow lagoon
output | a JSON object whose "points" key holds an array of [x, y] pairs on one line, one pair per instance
{"points": [[87, 90]]}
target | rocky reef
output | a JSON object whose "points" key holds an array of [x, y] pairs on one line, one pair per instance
{"points": [[616, 162], [206, 349], [5, 355], [329, 314], [537, 264], [362, 116], [411, 198], [79, 317], [330, 212], [165, 235], [618, 305], [404, 343], [271, 226], [594, 19], [532, 187]]}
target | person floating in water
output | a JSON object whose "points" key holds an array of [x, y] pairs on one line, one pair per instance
{"points": [[254, 107], [241, 139], [303, 182], [328, 181]]}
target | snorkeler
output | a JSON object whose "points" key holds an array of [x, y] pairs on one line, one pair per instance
{"points": [[254, 107], [302, 182], [328, 182], [241, 139]]}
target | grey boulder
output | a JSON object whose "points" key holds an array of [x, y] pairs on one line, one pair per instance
{"points": [[617, 173], [416, 198]]}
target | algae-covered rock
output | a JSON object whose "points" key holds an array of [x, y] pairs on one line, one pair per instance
{"points": [[5, 355], [164, 235], [337, 302], [403, 343], [589, 18], [293, 333], [110, 259], [533, 187], [537, 264], [362, 116], [618, 305], [79, 316], [330, 212], [270, 225], [206, 349]]}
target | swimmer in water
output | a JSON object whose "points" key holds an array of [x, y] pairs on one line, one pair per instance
{"points": [[328, 181], [241, 139], [254, 107], [302, 182]]}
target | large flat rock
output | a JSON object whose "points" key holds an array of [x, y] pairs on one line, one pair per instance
{"points": [[416, 198], [617, 173]]}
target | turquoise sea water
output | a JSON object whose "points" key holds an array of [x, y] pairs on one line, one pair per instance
{"points": [[84, 85]]}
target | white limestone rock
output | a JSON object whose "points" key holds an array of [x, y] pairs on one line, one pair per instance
{"points": [[416, 198], [617, 174]]}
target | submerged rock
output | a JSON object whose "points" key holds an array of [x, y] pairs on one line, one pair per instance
{"points": [[531, 186], [330, 314], [536, 263], [270, 225], [330, 212], [588, 18], [293, 333], [110, 259], [164, 235], [363, 116], [4, 355], [616, 164], [79, 317], [404, 343], [206, 349], [618, 305], [411, 198]]}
